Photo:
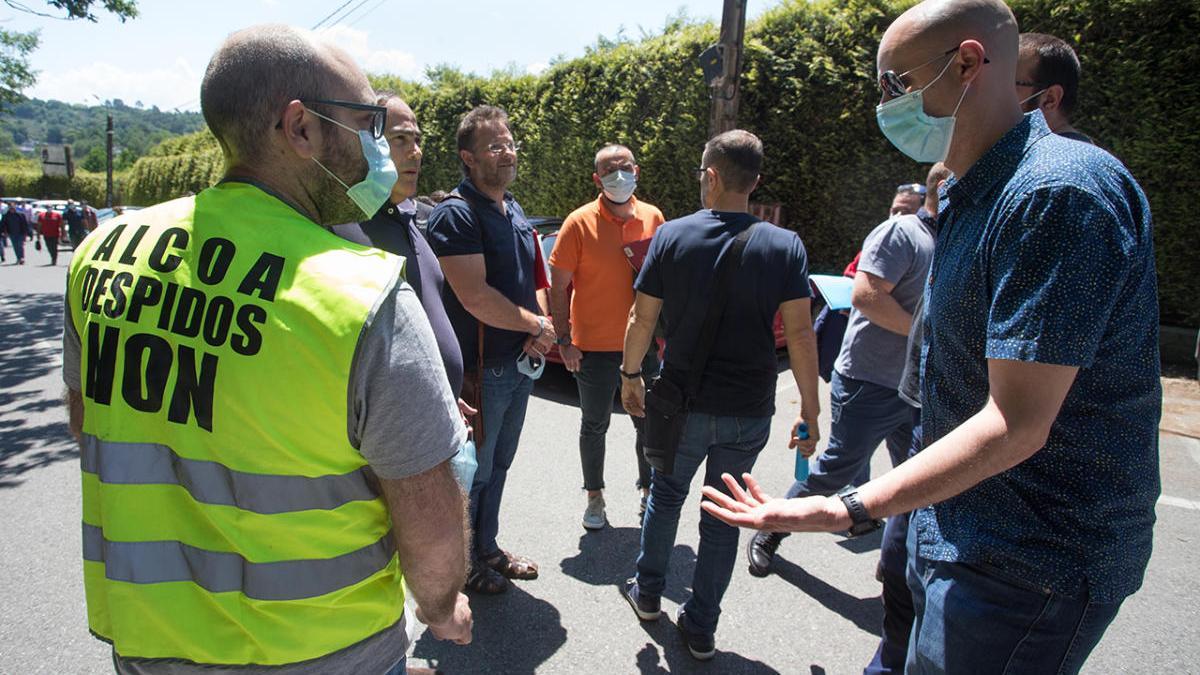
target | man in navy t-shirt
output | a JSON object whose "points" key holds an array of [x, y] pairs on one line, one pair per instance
{"points": [[487, 251], [730, 417]]}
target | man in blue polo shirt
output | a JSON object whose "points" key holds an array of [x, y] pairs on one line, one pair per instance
{"points": [[1036, 490], [487, 251]]}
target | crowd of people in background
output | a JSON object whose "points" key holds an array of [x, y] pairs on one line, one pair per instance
{"points": [[1013, 386]]}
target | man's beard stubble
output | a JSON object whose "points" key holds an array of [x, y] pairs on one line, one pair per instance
{"points": [[333, 206]]}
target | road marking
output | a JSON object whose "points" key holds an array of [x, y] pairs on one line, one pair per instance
{"points": [[1180, 502]]}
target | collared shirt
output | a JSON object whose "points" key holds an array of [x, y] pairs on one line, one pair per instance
{"points": [[394, 230], [590, 245], [1045, 254], [475, 225], [898, 251]]}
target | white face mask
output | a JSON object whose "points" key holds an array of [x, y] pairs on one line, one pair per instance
{"points": [[619, 186]]}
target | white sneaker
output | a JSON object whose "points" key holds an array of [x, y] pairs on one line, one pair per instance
{"points": [[593, 516]]}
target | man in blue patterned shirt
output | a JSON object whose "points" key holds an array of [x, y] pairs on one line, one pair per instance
{"points": [[1035, 493]]}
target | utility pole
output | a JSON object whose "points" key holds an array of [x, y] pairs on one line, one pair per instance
{"points": [[108, 147], [726, 90]]}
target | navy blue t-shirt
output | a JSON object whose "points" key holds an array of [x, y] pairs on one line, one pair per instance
{"points": [[680, 269], [474, 225], [396, 232]]}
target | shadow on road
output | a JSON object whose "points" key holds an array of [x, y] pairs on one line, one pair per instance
{"points": [[515, 632], [608, 557], [866, 613], [32, 435], [672, 650]]}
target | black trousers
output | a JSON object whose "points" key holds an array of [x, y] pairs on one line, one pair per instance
{"points": [[52, 249]]}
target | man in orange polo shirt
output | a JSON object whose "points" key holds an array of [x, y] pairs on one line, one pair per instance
{"points": [[593, 253]]}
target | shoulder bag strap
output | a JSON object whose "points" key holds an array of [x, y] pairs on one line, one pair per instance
{"points": [[716, 308]]}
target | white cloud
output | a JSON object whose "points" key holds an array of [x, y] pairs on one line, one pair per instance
{"points": [[537, 68], [167, 86], [374, 61]]}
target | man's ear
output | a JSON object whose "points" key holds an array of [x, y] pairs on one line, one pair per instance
{"points": [[596, 181], [467, 158], [971, 56], [301, 132], [1051, 98]]}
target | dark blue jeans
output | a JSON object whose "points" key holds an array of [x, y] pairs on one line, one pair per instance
{"points": [[505, 398], [599, 379], [972, 619], [726, 445], [862, 414], [897, 599]]}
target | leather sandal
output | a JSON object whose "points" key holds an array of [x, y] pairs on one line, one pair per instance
{"points": [[512, 566]]}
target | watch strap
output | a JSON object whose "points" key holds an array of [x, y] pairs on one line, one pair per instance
{"points": [[630, 376], [861, 521]]}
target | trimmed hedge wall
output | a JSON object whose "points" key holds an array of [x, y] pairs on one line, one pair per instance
{"points": [[809, 92], [85, 186]]}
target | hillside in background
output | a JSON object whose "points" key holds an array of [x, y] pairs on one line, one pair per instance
{"points": [[26, 125]]}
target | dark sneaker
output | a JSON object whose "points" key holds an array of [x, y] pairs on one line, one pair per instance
{"points": [[760, 551], [702, 647], [647, 609]]}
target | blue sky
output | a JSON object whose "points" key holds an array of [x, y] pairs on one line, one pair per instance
{"points": [[159, 57]]}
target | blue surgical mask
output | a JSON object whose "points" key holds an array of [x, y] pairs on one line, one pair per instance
{"points": [[914, 132], [371, 192], [619, 186]]}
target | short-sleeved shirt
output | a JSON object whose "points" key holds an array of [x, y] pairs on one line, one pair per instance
{"points": [[1045, 254], [680, 269], [475, 225], [400, 431], [591, 245], [394, 230], [899, 251]]}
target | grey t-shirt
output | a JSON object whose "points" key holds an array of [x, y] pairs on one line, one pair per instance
{"points": [[900, 251], [910, 379], [403, 420]]}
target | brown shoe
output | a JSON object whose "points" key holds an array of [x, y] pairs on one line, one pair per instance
{"points": [[512, 566]]}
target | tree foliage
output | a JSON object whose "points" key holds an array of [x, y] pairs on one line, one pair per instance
{"points": [[809, 92]]}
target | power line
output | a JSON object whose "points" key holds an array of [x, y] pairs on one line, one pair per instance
{"points": [[346, 13], [332, 14], [364, 14]]}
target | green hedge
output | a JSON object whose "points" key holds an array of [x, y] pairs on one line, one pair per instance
{"points": [[85, 186], [809, 92]]}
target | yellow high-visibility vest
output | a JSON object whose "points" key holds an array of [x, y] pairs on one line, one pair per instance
{"points": [[227, 519]]}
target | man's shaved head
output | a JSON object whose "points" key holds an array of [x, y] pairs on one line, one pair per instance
{"points": [[934, 26], [257, 71], [612, 151]]}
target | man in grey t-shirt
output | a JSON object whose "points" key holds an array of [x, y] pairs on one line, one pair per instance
{"points": [[864, 402]]}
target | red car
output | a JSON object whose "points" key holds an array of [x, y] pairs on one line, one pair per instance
{"points": [[548, 229]]}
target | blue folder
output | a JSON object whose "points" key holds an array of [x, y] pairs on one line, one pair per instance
{"points": [[835, 290]]}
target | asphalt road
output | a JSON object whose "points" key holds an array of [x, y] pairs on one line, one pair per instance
{"points": [[819, 613]]}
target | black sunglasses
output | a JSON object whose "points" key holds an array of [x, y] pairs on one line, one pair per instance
{"points": [[378, 112], [893, 85]]}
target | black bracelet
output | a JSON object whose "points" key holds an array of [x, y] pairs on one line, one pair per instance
{"points": [[630, 376], [541, 328]]}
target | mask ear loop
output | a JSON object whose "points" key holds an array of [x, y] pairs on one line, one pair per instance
{"points": [[331, 174], [333, 121], [1030, 98]]}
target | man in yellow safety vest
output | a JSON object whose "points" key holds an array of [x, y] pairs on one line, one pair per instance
{"points": [[264, 421]]}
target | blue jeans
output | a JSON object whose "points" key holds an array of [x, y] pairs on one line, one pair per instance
{"points": [[505, 398], [897, 599], [972, 619], [730, 445], [862, 414]]}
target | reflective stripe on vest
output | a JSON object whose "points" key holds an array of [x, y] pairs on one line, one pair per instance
{"points": [[155, 562], [227, 517], [211, 483]]}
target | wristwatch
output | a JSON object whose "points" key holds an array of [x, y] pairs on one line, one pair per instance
{"points": [[563, 340], [861, 521], [630, 376]]}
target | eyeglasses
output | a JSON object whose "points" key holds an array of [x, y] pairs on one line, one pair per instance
{"points": [[915, 188], [1028, 83], [893, 85], [500, 146], [700, 171], [378, 112]]}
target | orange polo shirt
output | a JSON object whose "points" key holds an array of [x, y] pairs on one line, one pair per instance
{"points": [[591, 245]]}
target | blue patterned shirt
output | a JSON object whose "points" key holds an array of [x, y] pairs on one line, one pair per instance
{"points": [[1045, 254]]}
